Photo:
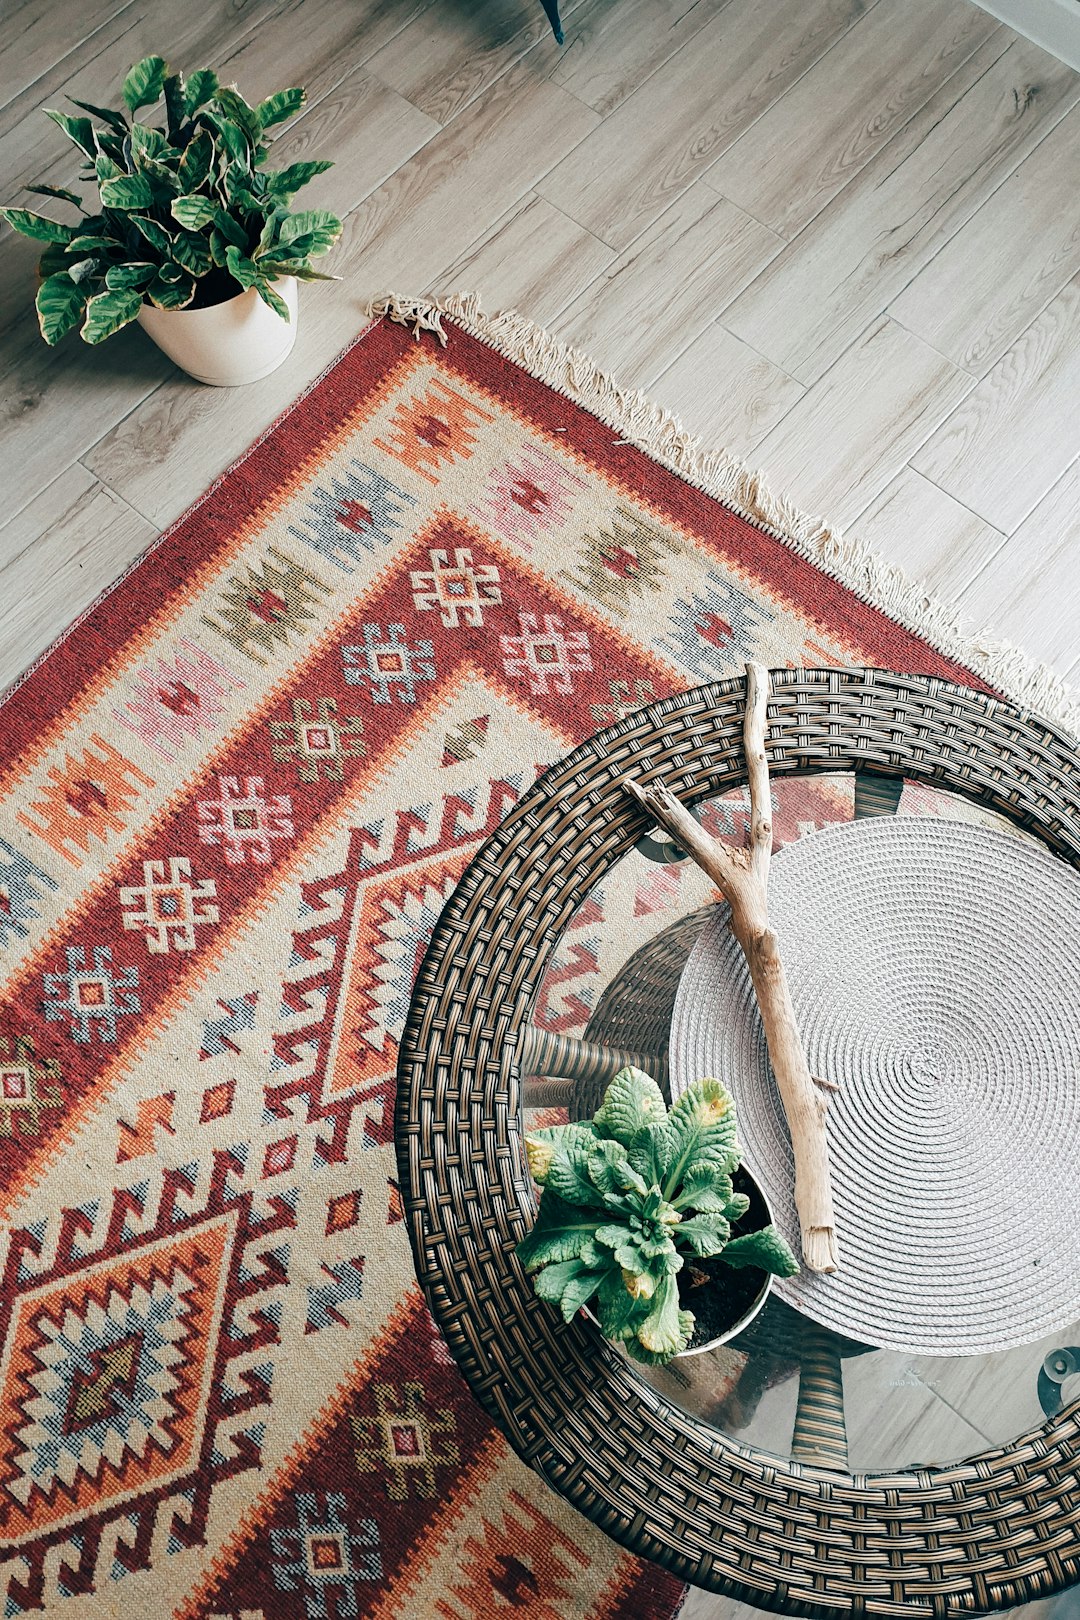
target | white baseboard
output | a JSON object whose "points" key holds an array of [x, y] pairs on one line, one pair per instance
{"points": [[1053, 24]]}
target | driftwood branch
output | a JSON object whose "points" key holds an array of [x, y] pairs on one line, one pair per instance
{"points": [[742, 876]]}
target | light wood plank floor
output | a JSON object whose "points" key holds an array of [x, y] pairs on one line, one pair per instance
{"points": [[840, 236]]}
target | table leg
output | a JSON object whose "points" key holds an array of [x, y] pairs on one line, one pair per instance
{"points": [[876, 794], [545, 1055], [552, 9], [820, 1435]]}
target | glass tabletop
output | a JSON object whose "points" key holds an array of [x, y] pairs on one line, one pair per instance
{"points": [[612, 984]]}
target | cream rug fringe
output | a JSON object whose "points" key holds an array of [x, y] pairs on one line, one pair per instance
{"points": [[642, 422]]}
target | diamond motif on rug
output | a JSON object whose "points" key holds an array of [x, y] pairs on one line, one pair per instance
{"points": [[92, 997], [434, 429], [106, 1377], [86, 801], [268, 607], [359, 511], [545, 655], [245, 820], [716, 629], [179, 697], [388, 665], [527, 496]]}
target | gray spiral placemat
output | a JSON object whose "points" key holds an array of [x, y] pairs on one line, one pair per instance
{"points": [[935, 972]]}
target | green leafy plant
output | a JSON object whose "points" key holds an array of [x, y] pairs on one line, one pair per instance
{"points": [[187, 215], [627, 1197]]}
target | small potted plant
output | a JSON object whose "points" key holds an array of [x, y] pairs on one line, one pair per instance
{"points": [[191, 235], [640, 1219]]}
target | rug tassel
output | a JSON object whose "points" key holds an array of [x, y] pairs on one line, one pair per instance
{"points": [[425, 314], [420, 313]]}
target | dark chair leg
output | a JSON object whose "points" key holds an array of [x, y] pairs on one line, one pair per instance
{"points": [[552, 9]]}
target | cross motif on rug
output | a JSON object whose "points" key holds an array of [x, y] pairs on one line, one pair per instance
{"points": [[245, 820], [169, 906]]}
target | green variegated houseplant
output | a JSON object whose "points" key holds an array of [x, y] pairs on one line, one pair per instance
{"points": [[187, 215], [631, 1198]]}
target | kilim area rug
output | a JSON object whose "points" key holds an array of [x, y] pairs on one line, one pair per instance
{"points": [[235, 797]]}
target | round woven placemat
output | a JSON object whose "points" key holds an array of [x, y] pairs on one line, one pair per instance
{"points": [[934, 971]]}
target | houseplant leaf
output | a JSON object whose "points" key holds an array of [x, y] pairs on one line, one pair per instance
{"points": [[239, 192], [231, 229], [568, 1175], [703, 1235], [196, 162], [273, 299], [666, 1329], [322, 227], [36, 226], [55, 256], [157, 236], [562, 1232], [147, 142], [650, 1152], [84, 271], [128, 192], [192, 251], [239, 112], [94, 242], [294, 267], [111, 144], [569, 1284], [268, 233], [631, 1101], [233, 139], [765, 1249], [285, 183], [193, 212], [173, 91], [108, 312], [241, 268], [610, 1171], [115, 120], [129, 275], [79, 130], [60, 304], [281, 105], [706, 1189], [541, 1145], [702, 1123], [171, 288], [200, 86], [617, 1308], [144, 83], [107, 168], [161, 177], [650, 1358], [57, 191]]}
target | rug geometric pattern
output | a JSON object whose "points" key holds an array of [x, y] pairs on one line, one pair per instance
{"points": [[232, 803]]}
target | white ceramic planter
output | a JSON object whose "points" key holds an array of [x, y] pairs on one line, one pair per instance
{"points": [[227, 344]]}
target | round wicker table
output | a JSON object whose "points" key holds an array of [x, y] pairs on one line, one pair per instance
{"points": [[676, 1477]]}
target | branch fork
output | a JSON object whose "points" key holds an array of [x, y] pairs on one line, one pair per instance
{"points": [[742, 876]]}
